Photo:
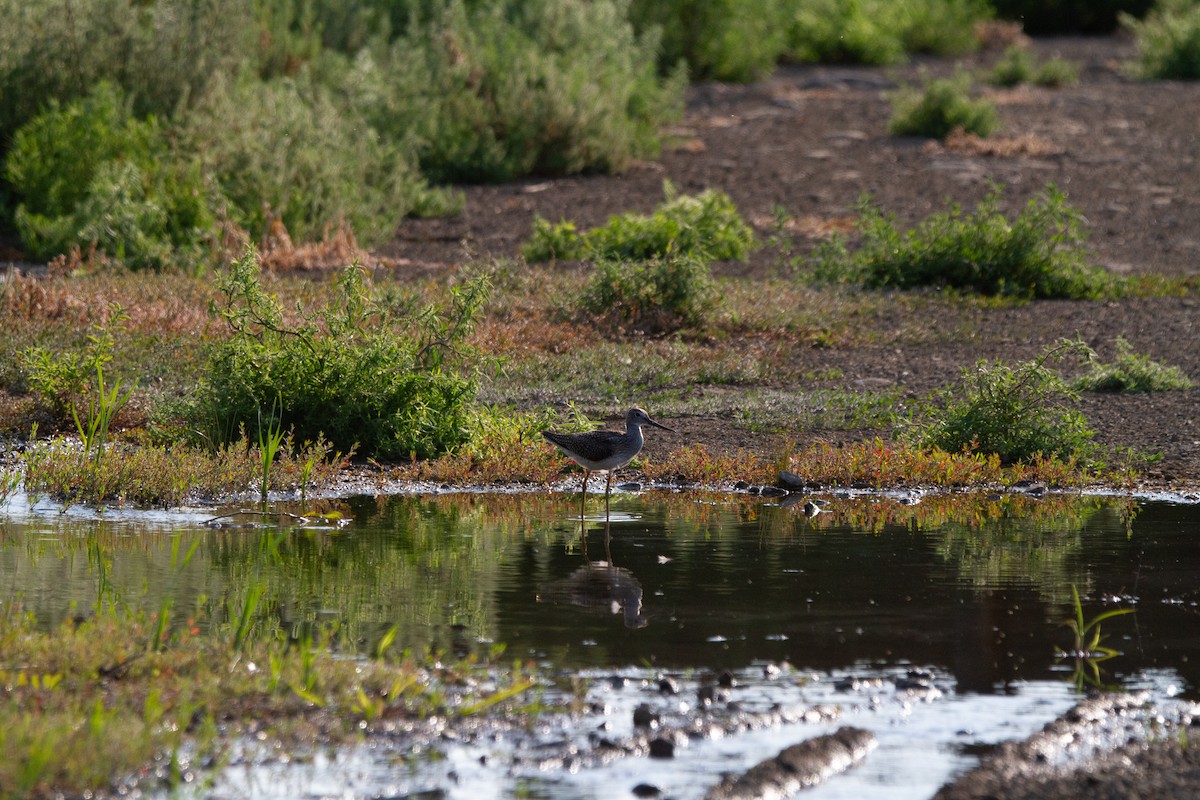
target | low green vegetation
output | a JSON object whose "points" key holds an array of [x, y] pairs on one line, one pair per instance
{"points": [[740, 41], [1037, 254], [168, 476], [940, 106], [1018, 66], [1168, 41], [880, 32], [1130, 372], [652, 271], [353, 372], [1017, 412], [176, 127], [656, 296], [115, 692], [705, 227]]}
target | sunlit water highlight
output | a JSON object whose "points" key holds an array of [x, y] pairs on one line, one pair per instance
{"points": [[973, 591]]}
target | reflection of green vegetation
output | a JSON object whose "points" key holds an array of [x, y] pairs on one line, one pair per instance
{"points": [[1036, 541], [990, 539], [424, 565]]}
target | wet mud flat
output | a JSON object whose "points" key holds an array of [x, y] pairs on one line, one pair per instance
{"points": [[676, 736], [1108, 746]]}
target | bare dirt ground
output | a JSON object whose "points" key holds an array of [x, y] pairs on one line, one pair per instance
{"points": [[814, 139]]}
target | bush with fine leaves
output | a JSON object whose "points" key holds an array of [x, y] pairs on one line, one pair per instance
{"points": [[1016, 411], [351, 372], [657, 296], [939, 107], [1037, 254], [493, 91], [1168, 41], [1131, 372], [91, 173]]}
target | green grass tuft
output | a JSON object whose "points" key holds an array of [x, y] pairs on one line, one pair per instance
{"points": [[1018, 412], [1018, 66], [654, 297], [939, 107], [1038, 254], [705, 227], [1131, 372]]}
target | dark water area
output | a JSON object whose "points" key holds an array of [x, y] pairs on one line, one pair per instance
{"points": [[984, 602], [978, 587]]}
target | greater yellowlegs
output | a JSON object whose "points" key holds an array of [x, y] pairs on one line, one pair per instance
{"points": [[604, 451]]}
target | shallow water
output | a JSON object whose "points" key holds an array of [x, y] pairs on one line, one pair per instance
{"points": [[971, 590]]}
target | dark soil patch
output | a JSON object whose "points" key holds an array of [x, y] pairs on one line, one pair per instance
{"points": [[813, 140]]}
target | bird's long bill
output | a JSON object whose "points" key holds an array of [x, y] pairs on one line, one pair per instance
{"points": [[659, 425]]}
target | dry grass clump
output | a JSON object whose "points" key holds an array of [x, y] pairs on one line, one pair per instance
{"points": [[1027, 144], [876, 464], [337, 247], [695, 464]]}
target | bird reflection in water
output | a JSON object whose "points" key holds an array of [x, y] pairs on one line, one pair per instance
{"points": [[601, 585]]}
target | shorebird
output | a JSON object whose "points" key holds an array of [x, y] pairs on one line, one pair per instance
{"points": [[604, 451]]}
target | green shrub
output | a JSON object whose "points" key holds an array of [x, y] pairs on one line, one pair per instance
{"points": [[1131, 372], [1039, 254], [493, 91], [725, 40], [942, 27], [288, 150], [160, 53], [65, 379], [655, 297], [705, 227], [938, 108], [835, 31], [351, 371], [882, 31], [1018, 412], [91, 173], [1018, 66], [1168, 41]]}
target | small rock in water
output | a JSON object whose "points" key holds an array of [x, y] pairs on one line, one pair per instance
{"points": [[707, 695], [752, 490], [646, 790], [811, 509], [668, 685], [726, 680], [645, 717], [741, 486], [772, 491], [662, 748], [632, 486]]}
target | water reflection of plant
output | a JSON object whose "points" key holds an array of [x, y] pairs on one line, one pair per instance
{"points": [[990, 539], [1086, 651]]}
